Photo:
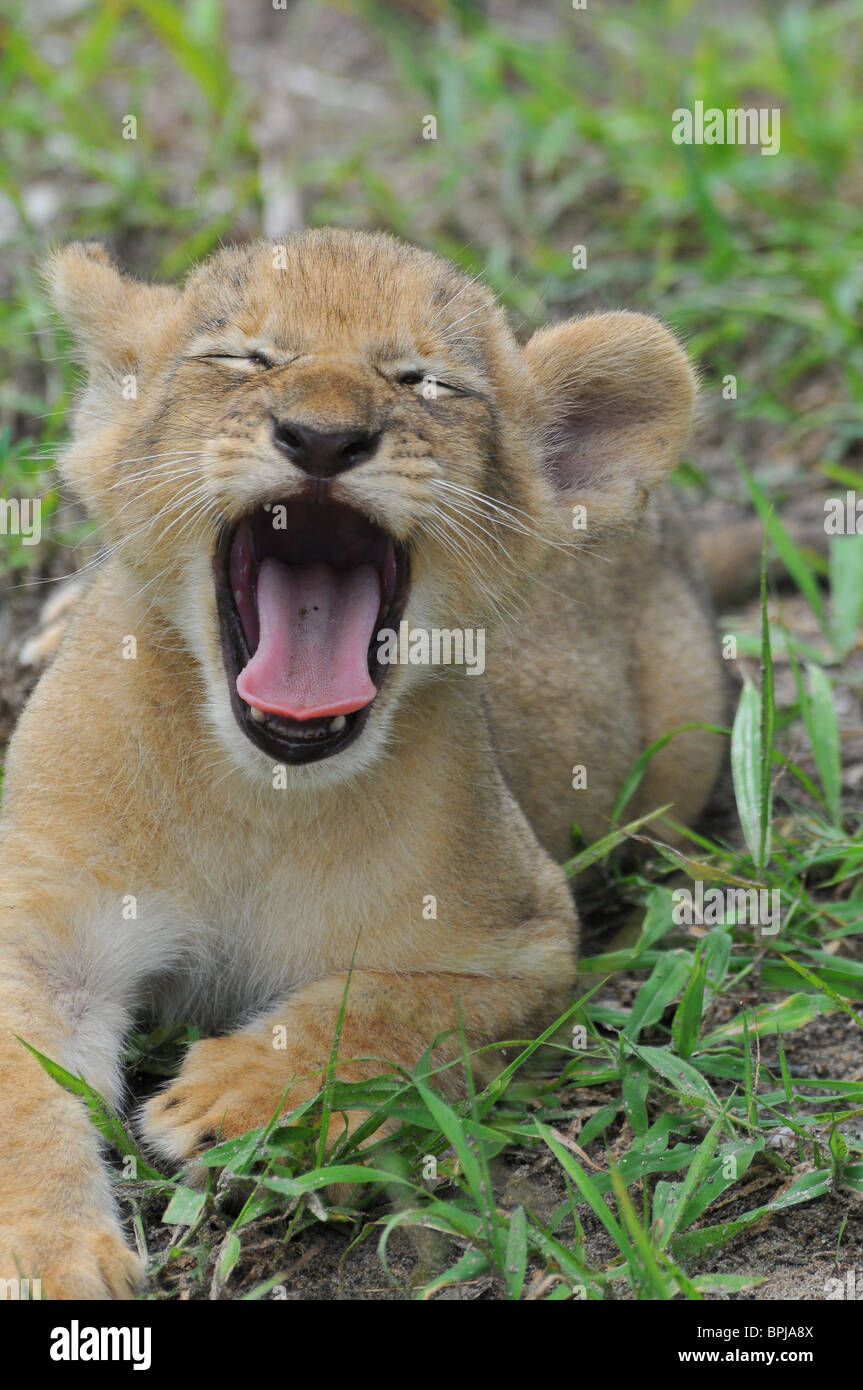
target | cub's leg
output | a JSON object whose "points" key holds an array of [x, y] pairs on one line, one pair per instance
{"points": [[233, 1084], [58, 1217]]}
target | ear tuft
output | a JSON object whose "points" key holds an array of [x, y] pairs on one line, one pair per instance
{"points": [[108, 313], [84, 285], [615, 395]]}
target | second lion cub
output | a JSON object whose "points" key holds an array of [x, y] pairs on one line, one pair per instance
{"points": [[220, 794]]}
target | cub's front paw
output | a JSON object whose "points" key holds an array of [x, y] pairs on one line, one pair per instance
{"points": [[226, 1087], [87, 1259]]}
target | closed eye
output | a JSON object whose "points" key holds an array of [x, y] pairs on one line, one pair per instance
{"points": [[430, 383], [255, 358]]}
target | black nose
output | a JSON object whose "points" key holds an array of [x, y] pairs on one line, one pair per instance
{"points": [[323, 454]]}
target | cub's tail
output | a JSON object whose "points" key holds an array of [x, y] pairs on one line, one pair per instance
{"points": [[39, 648], [730, 556]]}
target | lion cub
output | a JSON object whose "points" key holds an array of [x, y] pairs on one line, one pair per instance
{"points": [[221, 792]]}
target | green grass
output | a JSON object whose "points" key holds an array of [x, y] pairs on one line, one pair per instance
{"points": [[672, 1103]]}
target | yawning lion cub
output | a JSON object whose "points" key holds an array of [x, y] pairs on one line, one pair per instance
{"points": [[220, 793]]}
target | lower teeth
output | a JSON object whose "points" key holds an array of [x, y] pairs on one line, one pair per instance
{"points": [[336, 725]]}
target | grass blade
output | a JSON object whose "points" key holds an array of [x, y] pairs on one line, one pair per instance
{"points": [[768, 715], [746, 765], [823, 728], [846, 591]]}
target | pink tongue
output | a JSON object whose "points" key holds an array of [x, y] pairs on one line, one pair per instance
{"points": [[316, 626]]}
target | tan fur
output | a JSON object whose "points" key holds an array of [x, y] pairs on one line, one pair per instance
{"points": [[129, 779]]}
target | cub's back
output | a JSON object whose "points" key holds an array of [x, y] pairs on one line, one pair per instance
{"points": [[615, 649]]}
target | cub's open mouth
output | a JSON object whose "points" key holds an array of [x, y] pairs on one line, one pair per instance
{"points": [[302, 589]]}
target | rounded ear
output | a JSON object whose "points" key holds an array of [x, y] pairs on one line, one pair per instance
{"points": [[615, 394], [110, 315]]}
